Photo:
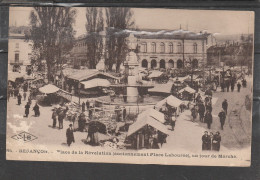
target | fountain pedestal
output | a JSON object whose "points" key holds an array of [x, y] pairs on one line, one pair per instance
{"points": [[131, 70]]}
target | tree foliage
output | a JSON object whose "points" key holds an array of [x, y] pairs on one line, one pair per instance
{"points": [[94, 25], [52, 34], [117, 20]]}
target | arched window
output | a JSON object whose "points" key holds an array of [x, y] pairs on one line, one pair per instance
{"points": [[179, 47], [162, 63], [171, 63], [153, 45], [162, 47], [170, 48], [144, 63], [144, 47], [153, 64], [179, 64], [195, 63], [195, 48]]}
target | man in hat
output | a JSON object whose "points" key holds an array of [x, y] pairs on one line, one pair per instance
{"points": [[201, 111], [83, 106], [238, 86], [27, 108], [222, 118], [70, 135], [19, 99], [54, 117], [36, 110], [225, 105], [208, 118], [216, 141], [205, 141]]}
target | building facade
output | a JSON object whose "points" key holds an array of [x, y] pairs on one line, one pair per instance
{"points": [[19, 53], [160, 49]]}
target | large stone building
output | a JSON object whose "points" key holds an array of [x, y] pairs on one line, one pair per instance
{"points": [[159, 49], [19, 53]]}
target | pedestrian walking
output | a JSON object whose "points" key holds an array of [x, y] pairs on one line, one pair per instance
{"points": [[209, 107], [83, 106], [232, 85], [36, 110], [208, 119], [201, 112], [27, 108], [61, 116], [87, 104], [216, 142], [205, 141], [227, 85], [222, 118], [70, 135], [54, 118], [24, 95], [19, 99], [238, 86], [225, 105], [193, 113], [82, 122], [124, 113]]}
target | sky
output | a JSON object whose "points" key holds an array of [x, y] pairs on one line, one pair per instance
{"points": [[213, 21]]}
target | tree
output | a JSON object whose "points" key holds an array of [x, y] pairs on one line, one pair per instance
{"points": [[52, 34], [94, 25], [117, 19]]}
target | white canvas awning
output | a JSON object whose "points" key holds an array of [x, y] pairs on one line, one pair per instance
{"points": [[155, 74], [188, 89], [171, 100], [151, 113], [49, 89], [97, 82], [162, 88], [147, 121]]}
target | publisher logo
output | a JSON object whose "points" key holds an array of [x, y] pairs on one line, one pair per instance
{"points": [[24, 136]]}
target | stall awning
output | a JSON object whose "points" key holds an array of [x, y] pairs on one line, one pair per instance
{"points": [[162, 88], [147, 121], [151, 113], [49, 89], [188, 89], [171, 100], [155, 74], [81, 75], [12, 76], [97, 82]]}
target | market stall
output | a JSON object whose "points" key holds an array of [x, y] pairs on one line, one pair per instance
{"points": [[171, 102], [187, 93], [145, 133]]}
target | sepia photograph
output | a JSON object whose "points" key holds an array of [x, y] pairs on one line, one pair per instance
{"points": [[130, 85]]}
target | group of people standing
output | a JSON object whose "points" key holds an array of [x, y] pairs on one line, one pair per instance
{"points": [[204, 110], [211, 141]]}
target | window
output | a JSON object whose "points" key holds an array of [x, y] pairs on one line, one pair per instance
{"points": [[170, 48], [179, 48], [153, 47], [195, 48], [144, 47], [162, 46], [17, 45], [16, 57]]}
